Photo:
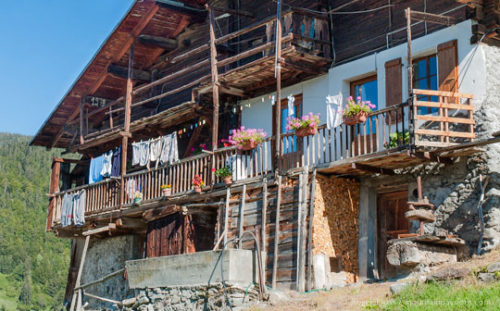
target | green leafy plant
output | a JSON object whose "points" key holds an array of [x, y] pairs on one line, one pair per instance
{"points": [[397, 139], [224, 172]]}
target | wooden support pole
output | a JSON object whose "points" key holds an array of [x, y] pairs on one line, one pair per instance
{"points": [[278, 85], [264, 220], [242, 215], [215, 79], [276, 235], [302, 235], [53, 188], [79, 275], [310, 233], [410, 60], [226, 214], [126, 127], [299, 232], [82, 121]]}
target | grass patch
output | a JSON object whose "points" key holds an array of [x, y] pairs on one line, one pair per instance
{"points": [[6, 294], [444, 297]]}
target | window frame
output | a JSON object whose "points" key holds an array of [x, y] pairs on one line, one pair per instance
{"points": [[427, 77], [354, 83]]}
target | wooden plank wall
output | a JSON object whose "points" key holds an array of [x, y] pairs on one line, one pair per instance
{"points": [[287, 259]]}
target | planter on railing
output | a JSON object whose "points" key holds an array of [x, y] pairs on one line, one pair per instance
{"points": [[355, 119], [247, 139], [307, 125], [308, 131]]}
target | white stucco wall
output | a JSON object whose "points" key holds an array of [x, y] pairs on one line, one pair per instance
{"points": [[257, 112]]}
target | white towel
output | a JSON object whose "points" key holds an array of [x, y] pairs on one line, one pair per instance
{"points": [[144, 153], [169, 151], [334, 111], [155, 149], [106, 164], [136, 154], [291, 110]]}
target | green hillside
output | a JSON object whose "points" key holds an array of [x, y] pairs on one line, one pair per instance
{"points": [[33, 264]]}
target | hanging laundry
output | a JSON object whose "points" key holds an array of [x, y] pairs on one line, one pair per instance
{"points": [[140, 153], [155, 148], [334, 111], [130, 188], [169, 150], [79, 200], [291, 108], [116, 162], [106, 164], [95, 169], [67, 210]]}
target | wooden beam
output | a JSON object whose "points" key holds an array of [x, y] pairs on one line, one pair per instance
{"points": [[276, 236], [126, 126], [106, 228], [309, 282], [160, 42], [277, 105], [264, 220], [226, 214], [53, 188], [231, 90], [433, 18], [215, 84], [79, 275], [196, 13], [242, 216], [122, 72], [431, 157], [234, 12], [372, 169]]}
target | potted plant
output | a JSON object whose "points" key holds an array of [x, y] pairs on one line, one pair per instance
{"points": [[356, 111], [305, 126], [197, 183], [397, 139], [137, 198], [166, 190], [247, 139], [226, 174]]}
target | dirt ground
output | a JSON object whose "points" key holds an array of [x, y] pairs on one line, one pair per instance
{"points": [[355, 297]]}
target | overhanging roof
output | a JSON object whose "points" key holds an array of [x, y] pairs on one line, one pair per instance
{"points": [[146, 17]]}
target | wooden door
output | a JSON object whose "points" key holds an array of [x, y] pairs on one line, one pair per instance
{"points": [[391, 221], [180, 234], [291, 147]]}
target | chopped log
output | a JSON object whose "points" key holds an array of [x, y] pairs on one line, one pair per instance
{"points": [[164, 43], [276, 235], [310, 233]]}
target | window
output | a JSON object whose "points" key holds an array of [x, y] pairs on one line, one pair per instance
{"points": [[425, 78], [367, 89]]}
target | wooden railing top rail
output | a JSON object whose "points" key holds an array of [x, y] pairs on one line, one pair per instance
{"points": [[82, 187], [442, 93]]}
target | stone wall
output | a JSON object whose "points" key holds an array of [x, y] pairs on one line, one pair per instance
{"points": [[201, 297], [104, 257], [335, 224]]}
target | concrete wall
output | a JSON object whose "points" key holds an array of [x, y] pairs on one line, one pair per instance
{"points": [[104, 257]]}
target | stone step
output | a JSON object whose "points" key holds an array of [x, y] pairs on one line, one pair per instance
{"points": [[420, 215]]}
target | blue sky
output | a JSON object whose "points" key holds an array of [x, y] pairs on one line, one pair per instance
{"points": [[45, 45]]}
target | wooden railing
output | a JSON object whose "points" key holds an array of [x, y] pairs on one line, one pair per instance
{"points": [[442, 118], [384, 129]]}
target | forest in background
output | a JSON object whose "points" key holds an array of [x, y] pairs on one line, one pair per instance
{"points": [[33, 263]]}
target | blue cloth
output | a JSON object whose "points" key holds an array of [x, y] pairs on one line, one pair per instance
{"points": [[95, 169], [116, 162]]}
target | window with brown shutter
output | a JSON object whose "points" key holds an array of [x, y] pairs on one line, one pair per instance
{"points": [[448, 66], [393, 85]]}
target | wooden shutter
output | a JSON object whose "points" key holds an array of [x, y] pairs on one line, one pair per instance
{"points": [[393, 85], [448, 66]]}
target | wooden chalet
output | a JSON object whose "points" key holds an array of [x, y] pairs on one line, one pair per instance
{"points": [[187, 66]]}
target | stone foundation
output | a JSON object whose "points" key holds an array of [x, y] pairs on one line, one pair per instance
{"points": [[202, 297]]}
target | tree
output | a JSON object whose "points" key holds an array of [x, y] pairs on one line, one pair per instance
{"points": [[26, 295]]}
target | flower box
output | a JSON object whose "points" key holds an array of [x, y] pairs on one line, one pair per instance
{"points": [[355, 119], [308, 131]]}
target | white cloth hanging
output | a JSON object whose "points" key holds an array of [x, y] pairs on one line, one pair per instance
{"points": [[144, 153], [169, 150], [130, 188], [107, 164], [291, 110], [334, 111], [155, 147], [136, 153]]}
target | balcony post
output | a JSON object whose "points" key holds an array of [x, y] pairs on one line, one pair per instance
{"points": [[126, 127], [215, 87], [278, 85], [53, 188]]}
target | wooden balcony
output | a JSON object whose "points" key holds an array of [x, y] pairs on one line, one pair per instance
{"points": [[245, 63], [395, 137]]}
